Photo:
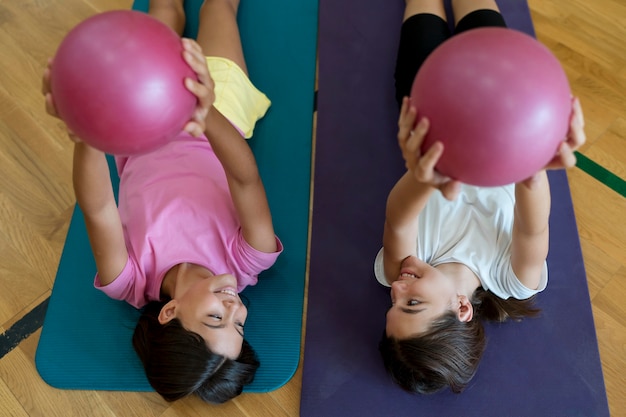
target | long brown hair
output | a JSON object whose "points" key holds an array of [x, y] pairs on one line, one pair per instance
{"points": [[449, 352], [490, 307], [178, 362]]}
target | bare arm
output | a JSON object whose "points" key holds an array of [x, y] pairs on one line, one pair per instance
{"points": [[244, 182], [411, 193], [235, 155], [529, 247], [406, 200], [92, 185], [530, 240]]}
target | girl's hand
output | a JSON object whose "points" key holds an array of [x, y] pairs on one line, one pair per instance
{"points": [[575, 138], [47, 93], [202, 88], [410, 139]]}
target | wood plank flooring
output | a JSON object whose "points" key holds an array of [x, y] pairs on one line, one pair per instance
{"points": [[36, 199]]}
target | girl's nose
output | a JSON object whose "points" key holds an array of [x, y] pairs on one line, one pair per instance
{"points": [[399, 285]]}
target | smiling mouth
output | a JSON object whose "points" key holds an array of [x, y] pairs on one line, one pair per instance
{"points": [[227, 291], [406, 275]]}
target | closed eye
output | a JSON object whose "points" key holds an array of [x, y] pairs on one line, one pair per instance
{"points": [[411, 311], [223, 326]]}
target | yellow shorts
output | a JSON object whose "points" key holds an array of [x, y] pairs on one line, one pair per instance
{"points": [[235, 95]]}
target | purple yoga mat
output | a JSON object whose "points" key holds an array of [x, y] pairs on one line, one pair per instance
{"points": [[548, 366]]}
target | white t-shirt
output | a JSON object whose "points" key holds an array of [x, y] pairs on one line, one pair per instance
{"points": [[475, 230]]}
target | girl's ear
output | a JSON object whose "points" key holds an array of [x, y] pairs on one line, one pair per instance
{"points": [[168, 311], [465, 310]]}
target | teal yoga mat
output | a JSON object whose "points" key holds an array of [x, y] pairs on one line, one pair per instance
{"points": [[86, 338]]}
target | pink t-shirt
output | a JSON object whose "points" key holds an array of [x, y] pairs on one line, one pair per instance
{"points": [[175, 207]]}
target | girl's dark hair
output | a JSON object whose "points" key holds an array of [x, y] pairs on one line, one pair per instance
{"points": [[490, 307], [178, 362], [448, 353]]}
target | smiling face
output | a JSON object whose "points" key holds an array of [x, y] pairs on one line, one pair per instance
{"points": [[211, 308], [421, 294]]}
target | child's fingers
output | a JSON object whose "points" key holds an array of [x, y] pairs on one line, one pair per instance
{"points": [[50, 107], [576, 136], [200, 114], [427, 162], [432, 155], [73, 137], [45, 81], [450, 189], [191, 45], [578, 112], [194, 57], [416, 137], [410, 135], [197, 64], [403, 110], [419, 133], [566, 154], [205, 95], [194, 129], [406, 121], [564, 158], [193, 52]]}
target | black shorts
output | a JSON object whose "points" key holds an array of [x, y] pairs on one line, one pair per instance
{"points": [[424, 32]]}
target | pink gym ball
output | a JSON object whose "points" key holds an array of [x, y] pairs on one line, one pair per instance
{"points": [[498, 100], [117, 81]]}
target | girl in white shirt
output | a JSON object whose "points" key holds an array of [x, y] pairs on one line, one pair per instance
{"points": [[454, 254]]}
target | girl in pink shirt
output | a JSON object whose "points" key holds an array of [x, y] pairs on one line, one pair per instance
{"points": [[193, 227]]}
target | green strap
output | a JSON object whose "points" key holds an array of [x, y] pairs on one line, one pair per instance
{"points": [[602, 174]]}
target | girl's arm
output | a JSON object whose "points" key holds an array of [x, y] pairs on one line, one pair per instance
{"points": [[530, 239], [244, 181], [406, 200], [94, 193], [235, 155], [411, 193]]}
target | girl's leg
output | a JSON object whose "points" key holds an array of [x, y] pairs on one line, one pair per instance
{"points": [[170, 12], [470, 14], [218, 32], [424, 28], [413, 7], [461, 8]]}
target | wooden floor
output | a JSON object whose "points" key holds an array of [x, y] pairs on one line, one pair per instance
{"points": [[36, 199]]}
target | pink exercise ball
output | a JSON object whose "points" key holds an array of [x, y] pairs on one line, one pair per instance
{"points": [[117, 81], [498, 100]]}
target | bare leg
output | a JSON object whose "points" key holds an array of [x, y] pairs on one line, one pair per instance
{"points": [[423, 29], [414, 7], [461, 8], [170, 12], [218, 32]]}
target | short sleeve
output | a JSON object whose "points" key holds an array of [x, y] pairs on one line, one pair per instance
{"points": [[508, 285], [251, 262], [128, 286], [379, 269]]}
